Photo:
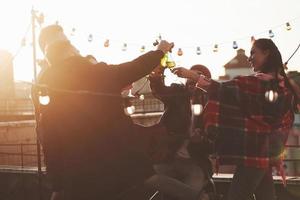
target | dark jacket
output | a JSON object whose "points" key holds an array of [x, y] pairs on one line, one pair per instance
{"points": [[87, 138], [177, 119]]}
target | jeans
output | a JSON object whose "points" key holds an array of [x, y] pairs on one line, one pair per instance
{"points": [[248, 181], [181, 179]]}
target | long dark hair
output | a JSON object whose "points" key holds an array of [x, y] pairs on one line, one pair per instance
{"points": [[274, 62]]}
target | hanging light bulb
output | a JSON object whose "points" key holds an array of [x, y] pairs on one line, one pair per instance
{"points": [[271, 34], [106, 43], [252, 39], [197, 109], [179, 52], [44, 98], [73, 31], [288, 26], [142, 48], [124, 47], [234, 45], [271, 96], [142, 97], [159, 37], [215, 48], [41, 19], [198, 51], [90, 38], [129, 109]]}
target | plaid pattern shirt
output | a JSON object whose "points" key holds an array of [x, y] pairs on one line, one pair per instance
{"points": [[246, 128]]}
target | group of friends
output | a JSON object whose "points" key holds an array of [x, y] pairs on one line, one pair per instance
{"points": [[94, 151]]}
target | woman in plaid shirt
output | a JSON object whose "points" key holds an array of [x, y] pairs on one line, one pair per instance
{"points": [[249, 130]]}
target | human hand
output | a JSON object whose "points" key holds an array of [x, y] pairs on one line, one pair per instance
{"points": [[165, 46], [185, 73]]}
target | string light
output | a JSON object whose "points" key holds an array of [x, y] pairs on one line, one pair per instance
{"points": [[215, 48], [271, 96], [142, 97], [73, 31], [44, 98], [90, 38], [197, 109], [198, 51], [106, 43], [288, 26], [234, 45], [271, 34], [129, 109], [124, 47], [142, 48], [179, 52]]}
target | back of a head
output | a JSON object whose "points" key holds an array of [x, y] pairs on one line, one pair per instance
{"points": [[53, 42], [202, 69]]}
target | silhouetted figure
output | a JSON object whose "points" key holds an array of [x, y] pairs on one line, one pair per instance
{"points": [[90, 146], [192, 168]]}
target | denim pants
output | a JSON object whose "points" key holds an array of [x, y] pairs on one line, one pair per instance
{"points": [[248, 181], [180, 179]]}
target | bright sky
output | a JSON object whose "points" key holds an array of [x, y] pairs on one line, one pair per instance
{"points": [[188, 23]]}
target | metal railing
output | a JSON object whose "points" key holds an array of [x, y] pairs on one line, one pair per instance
{"points": [[19, 155], [16, 106]]}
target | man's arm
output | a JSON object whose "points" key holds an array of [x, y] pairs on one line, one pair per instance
{"points": [[129, 72]]}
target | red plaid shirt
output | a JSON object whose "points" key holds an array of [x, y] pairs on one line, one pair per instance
{"points": [[246, 128]]}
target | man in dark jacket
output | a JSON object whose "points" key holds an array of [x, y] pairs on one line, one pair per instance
{"points": [[182, 160], [91, 149]]}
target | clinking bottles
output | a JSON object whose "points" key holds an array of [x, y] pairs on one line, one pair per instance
{"points": [[167, 61]]}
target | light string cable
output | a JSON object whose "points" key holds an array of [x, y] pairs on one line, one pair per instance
{"points": [[22, 42], [86, 92], [292, 55]]}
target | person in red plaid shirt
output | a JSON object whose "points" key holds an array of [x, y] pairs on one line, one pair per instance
{"points": [[250, 130]]}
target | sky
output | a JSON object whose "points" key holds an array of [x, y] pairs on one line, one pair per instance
{"points": [[189, 24]]}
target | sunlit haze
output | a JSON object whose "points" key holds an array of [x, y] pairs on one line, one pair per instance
{"points": [[189, 24]]}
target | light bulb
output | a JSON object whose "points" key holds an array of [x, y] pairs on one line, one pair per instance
{"points": [[44, 100], [215, 48], [179, 52], [234, 45], [271, 96], [129, 110], [73, 31], [106, 43], [198, 51], [142, 48], [288, 26], [124, 47], [197, 109], [142, 97], [271, 34], [90, 38], [159, 37]]}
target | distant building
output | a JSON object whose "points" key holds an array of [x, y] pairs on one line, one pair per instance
{"points": [[239, 65], [6, 75]]}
